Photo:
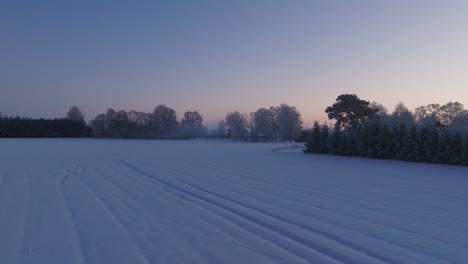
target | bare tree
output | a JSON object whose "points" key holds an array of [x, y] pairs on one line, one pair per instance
{"points": [[461, 119], [381, 114], [75, 114], [427, 115], [236, 124], [449, 111], [144, 119], [164, 121], [221, 131], [274, 121], [264, 122], [192, 124], [132, 116], [402, 116], [99, 125], [251, 126], [121, 123], [289, 122], [110, 116]]}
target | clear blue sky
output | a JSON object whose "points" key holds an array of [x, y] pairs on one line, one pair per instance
{"points": [[219, 56]]}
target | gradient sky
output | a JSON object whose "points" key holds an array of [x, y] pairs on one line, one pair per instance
{"points": [[219, 56]]}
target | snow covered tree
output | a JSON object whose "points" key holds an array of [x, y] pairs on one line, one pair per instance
{"points": [[121, 125], [75, 114], [426, 150], [434, 146], [222, 128], [324, 134], [445, 147], [335, 142], [410, 148], [274, 121], [465, 150], [456, 149], [164, 121], [251, 125], [313, 144], [236, 124], [369, 139], [461, 119], [192, 125], [264, 123], [381, 114], [289, 122], [110, 115], [427, 115], [401, 115], [348, 145], [399, 133], [449, 111], [99, 125], [385, 142]]}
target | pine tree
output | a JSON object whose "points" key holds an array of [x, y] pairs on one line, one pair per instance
{"points": [[373, 141], [456, 149], [445, 147], [465, 150], [400, 134], [335, 141], [385, 146], [325, 132], [425, 146], [434, 147], [353, 141], [410, 145], [363, 139], [313, 143]]}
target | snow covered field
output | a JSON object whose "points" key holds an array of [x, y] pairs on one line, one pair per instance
{"points": [[208, 201]]}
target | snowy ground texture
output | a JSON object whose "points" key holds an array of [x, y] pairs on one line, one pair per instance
{"points": [[207, 201]]}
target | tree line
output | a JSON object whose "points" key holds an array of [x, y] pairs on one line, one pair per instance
{"points": [[161, 123], [73, 125], [365, 129], [281, 122]]}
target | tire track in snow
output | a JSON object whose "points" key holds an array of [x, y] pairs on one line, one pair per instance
{"points": [[25, 216], [15, 203], [139, 253], [327, 234], [412, 215], [455, 244], [148, 192], [352, 216], [210, 223], [259, 222], [292, 251], [77, 243], [411, 251]]}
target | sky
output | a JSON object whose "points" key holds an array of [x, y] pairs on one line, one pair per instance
{"points": [[216, 56]]}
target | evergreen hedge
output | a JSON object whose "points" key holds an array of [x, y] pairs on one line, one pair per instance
{"points": [[376, 140]]}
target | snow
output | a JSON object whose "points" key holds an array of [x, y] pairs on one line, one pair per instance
{"points": [[213, 201]]}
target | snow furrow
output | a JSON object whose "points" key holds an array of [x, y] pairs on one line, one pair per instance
{"points": [[76, 241], [108, 208], [257, 221], [213, 201], [379, 224], [209, 221]]}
